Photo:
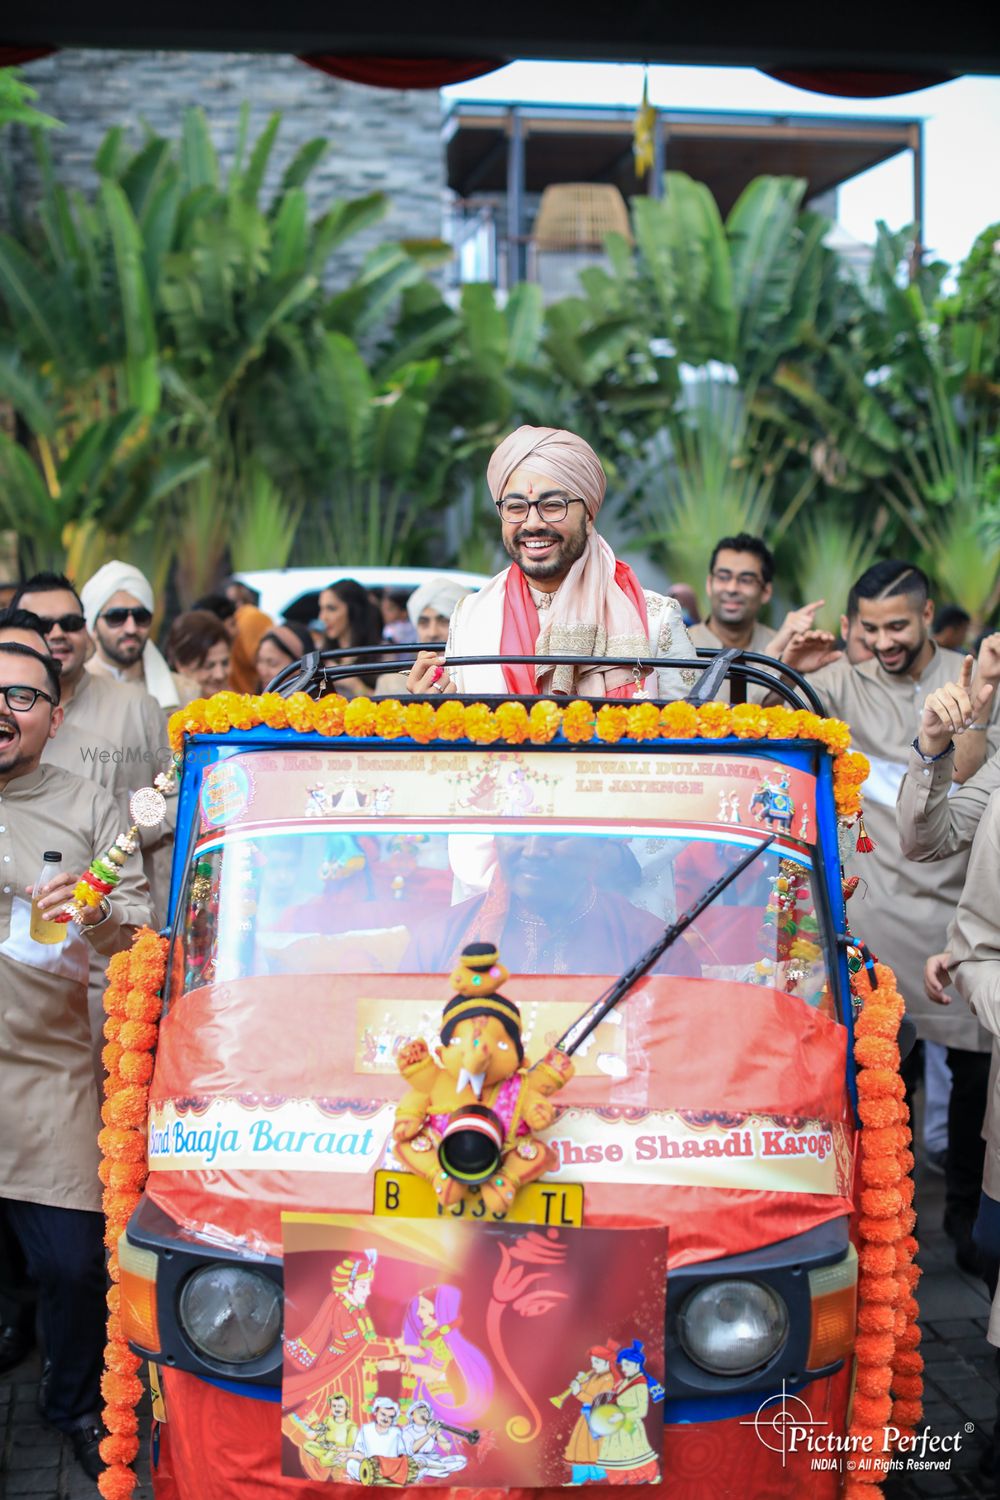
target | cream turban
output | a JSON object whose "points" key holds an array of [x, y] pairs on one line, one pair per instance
{"points": [[551, 450], [120, 576], [439, 594]]}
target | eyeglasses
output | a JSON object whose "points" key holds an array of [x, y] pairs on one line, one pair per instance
{"points": [[20, 699], [549, 508], [68, 624], [116, 617], [745, 580]]}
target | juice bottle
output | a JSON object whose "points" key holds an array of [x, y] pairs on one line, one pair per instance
{"points": [[41, 929]]}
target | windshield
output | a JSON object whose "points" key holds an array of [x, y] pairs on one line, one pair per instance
{"points": [[343, 900]]}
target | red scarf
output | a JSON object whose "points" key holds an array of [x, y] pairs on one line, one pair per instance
{"points": [[520, 629]]}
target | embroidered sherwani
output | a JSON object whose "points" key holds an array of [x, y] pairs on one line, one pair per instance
{"points": [[667, 636]]}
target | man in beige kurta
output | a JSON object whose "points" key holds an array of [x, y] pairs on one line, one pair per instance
{"points": [[113, 732], [901, 909], [738, 587], [50, 1194]]}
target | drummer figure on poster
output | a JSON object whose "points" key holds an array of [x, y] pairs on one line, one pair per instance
{"points": [[380, 1455]]}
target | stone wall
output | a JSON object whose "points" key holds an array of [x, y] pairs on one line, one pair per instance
{"points": [[381, 140]]}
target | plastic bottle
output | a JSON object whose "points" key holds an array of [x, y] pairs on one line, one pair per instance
{"points": [[42, 929]]}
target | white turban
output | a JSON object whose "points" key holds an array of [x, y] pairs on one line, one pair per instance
{"points": [[120, 577], [385, 1401], [439, 594]]}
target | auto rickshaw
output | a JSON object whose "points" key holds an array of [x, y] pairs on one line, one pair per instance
{"points": [[337, 864]]}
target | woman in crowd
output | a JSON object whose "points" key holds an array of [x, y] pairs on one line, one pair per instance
{"points": [[282, 645], [197, 646], [350, 619], [429, 608]]}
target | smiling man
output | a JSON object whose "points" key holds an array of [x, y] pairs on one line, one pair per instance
{"points": [[114, 732], [565, 592], [50, 1193], [118, 604], [901, 909]]}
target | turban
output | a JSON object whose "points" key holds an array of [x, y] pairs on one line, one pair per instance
{"points": [[570, 461], [439, 594], [120, 577]]}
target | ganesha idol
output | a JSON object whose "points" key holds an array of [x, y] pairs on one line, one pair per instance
{"points": [[467, 1124]]}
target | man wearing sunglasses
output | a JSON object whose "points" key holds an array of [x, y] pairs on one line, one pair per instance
{"points": [[50, 1193], [565, 594], [118, 605], [114, 732]]}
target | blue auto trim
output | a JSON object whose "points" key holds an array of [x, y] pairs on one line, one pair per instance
{"points": [[270, 1393], [828, 860], [724, 1408]]}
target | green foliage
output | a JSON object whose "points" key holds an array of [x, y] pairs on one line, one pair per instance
{"points": [[16, 107]]}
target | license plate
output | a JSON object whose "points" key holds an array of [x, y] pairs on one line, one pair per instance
{"points": [[402, 1195]]}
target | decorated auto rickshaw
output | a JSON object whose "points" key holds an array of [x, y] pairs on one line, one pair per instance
{"points": [[508, 1106]]}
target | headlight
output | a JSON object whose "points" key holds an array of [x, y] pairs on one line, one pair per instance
{"points": [[732, 1327], [230, 1314]]}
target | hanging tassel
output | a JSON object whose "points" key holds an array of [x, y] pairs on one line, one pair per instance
{"points": [[643, 149], [865, 845]]}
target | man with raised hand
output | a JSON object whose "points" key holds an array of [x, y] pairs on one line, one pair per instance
{"points": [[901, 909], [565, 593]]}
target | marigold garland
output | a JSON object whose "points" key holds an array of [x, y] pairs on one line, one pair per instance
{"points": [[889, 1380], [132, 1003], [511, 723]]}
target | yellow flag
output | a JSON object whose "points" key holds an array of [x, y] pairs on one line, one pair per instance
{"points": [[642, 135]]}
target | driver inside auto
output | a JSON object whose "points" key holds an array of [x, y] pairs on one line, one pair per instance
{"points": [[554, 905]]}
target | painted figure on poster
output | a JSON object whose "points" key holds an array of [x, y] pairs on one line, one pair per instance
{"points": [[425, 1444], [591, 1388], [449, 1373], [380, 1455], [624, 1451], [331, 1441], [340, 1350]]}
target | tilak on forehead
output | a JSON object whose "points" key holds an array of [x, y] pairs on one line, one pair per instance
{"points": [[571, 463]]}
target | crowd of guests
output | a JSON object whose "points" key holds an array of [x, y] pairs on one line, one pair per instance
{"points": [[922, 708]]}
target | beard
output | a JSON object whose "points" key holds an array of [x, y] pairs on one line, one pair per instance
{"points": [[568, 550], [124, 653], [910, 654]]}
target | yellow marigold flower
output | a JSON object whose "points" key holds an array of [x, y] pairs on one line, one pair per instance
{"points": [[643, 721], [512, 721], [328, 714], [544, 720], [359, 718], [299, 708], [679, 721], [273, 710], [835, 735], [612, 722], [481, 725], [806, 725], [449, 721], [780, 722], [578, 722], [217, 715], [748, 721], [713, 720], [419, 720], [389, 722]]}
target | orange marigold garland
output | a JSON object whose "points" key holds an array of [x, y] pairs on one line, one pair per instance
{"points": [[132, 1003], [889, 1382], [512, 724]]}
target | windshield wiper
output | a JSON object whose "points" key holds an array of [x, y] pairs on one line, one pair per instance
{"points": [[592, 1018]]}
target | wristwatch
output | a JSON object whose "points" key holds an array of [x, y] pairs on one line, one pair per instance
{"points": [[940, 755]]}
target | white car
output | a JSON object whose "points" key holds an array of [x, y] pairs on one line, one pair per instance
{"points": [[293, 593]]}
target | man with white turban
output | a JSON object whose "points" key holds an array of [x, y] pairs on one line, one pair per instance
{"points": [[565, 594], [118, 606], [430, 608]]}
